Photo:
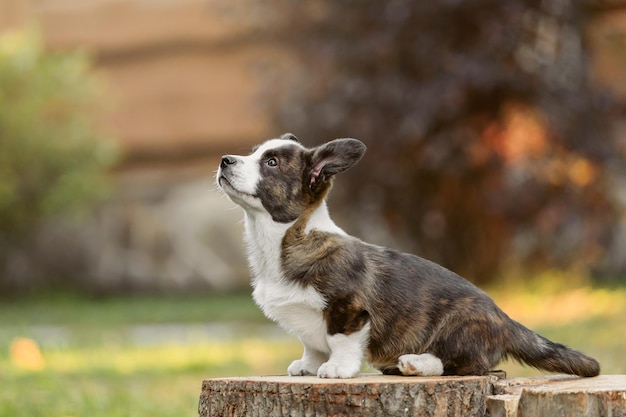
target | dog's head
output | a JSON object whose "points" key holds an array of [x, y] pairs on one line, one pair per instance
{"points": [[284, 178]]}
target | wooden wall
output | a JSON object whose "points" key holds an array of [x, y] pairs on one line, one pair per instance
{"points": [[180, 73]]}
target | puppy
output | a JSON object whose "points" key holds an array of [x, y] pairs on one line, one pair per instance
{"points": [[347, 300]]}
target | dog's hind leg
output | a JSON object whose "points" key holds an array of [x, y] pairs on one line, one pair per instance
{"points": [[420, 365]]}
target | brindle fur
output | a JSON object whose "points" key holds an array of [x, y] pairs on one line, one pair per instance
{"points": [[413, 305]]}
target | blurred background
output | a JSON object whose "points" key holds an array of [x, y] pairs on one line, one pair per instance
{"points": [[496, 136]]}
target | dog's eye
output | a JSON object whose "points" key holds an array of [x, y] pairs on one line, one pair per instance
{"points": [[272, 162]]}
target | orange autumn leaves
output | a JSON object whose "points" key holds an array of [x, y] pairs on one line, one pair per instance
{"points": [[25, 354]]}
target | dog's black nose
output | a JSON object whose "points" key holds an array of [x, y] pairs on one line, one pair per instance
{"points": [[227, 160]]}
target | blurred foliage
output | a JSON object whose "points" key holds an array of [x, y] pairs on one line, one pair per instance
{"points": [[485, 135], [53, 158]]}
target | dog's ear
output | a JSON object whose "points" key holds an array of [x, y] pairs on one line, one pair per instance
{"points": [[334, 157]]}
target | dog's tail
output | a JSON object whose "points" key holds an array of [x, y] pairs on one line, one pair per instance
{"points": [[537, 351]]}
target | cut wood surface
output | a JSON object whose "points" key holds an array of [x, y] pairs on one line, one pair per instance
{"points": [[378, 395], [604, 395], [374, 395]]}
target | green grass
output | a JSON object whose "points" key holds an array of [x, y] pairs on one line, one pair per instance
{"points": [[131, 381], [96, 364], [123, 310]]}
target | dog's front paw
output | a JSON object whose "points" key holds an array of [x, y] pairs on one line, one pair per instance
{"points": [[332, 369], [301, 368], [422, 365]]}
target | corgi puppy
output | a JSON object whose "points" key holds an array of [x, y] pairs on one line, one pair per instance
{"points": [[347, 300]]}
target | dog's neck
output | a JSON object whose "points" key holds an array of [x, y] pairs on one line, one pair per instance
{"points": [[320, 220], [264, 238]]}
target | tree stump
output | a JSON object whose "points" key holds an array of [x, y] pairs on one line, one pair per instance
{"points": [[560, 395], [390, 396], [370, 395]]}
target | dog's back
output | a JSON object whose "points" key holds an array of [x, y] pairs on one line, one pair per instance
{"points": [[415, 305]]}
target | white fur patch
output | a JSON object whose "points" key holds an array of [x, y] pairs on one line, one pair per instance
{"points": [[296, 309], [320, 220], [420, 365]]}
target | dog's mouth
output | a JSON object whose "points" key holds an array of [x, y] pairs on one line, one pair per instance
{"points": [[223, 182], [226, 184], [229, 188]]}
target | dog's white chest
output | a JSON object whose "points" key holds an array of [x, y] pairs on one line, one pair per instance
{"points": [[298, 310], [295, 308]]}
